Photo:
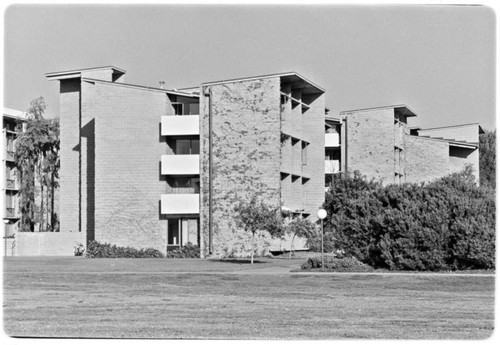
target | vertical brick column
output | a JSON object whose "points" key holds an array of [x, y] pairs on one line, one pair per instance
{"points": [[128, 148], [69, 176], [370, 143], [245, 157]]}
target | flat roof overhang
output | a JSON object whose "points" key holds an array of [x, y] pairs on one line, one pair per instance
{"points": [[464, 145], [298, 81], [78, 73], [399, 109], [480, 129], [169, 92]]}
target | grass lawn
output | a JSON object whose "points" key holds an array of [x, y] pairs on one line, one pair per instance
{"points": [[192, 299]]}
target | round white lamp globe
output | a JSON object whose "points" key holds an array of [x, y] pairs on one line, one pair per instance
{"points": [[321, 214]]}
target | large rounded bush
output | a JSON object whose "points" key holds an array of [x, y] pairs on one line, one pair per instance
{"points": [[448, 224]]}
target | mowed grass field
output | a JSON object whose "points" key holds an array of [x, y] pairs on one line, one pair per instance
{"points": [[201, 299]]}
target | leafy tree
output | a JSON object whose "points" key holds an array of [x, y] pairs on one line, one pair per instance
{"points": [[37, 159], [445, 224], [487, 159], [255, 217], [300, 227]]}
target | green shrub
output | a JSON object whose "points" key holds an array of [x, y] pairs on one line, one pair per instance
{"points": [[106, 250], [448, 224], [347, 264], [189, 250], [487, 158], [79, 249]]}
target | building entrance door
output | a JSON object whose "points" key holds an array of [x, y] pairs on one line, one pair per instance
{"points": [[182, 231]]}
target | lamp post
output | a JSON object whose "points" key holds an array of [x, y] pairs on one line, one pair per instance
{"points": [[322, 215]]}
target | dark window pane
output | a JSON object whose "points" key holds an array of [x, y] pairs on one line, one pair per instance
{"points": [[195, 147], [173, 231], [182, 147]]}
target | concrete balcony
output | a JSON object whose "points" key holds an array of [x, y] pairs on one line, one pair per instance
{"points": [[180, 125], [11, 213], [180, 164], [332, 167], [11, 184], [9, 156], [332, 140], [180, 203]]}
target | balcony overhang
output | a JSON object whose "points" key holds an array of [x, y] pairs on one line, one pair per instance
{"points": [[180, 164], [180, 204], [180, 125], [332, 140]]}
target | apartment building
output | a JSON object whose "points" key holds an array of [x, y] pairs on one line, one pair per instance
{"points": [[379, 143], [149, 167], [9, 177]]}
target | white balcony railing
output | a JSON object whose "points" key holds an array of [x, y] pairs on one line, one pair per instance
{"points": [[332, 167], [180, 125], [11, 213], [180, 164], [180, 203], [10, 184], [9, 155], [332, 140]]}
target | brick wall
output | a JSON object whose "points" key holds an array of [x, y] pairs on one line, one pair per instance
{"points": [[122, 190], [313, 131], [469, 133], [426, 159], [370, 144], [245, 158], [69, 179]]}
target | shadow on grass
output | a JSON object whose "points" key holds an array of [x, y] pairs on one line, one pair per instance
{"points": [[238, 261]]}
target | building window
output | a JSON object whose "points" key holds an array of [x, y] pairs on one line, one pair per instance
{"points": [[187, 146], [304, 153], [182, 230], [184, 185], [174, 235], [186, 108], [332, 154]]}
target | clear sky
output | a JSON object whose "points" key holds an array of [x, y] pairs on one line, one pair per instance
{"points": [[438, 60]]}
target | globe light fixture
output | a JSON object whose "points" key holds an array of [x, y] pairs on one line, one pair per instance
{"points": [[322, 215]]}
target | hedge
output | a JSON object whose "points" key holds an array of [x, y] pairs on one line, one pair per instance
{"points": [[106, 250], [447, 224], [189, 250]]}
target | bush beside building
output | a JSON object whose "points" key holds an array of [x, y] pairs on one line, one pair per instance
{"points": [[447, 224]]}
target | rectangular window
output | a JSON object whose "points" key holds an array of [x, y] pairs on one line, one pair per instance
{"points": [[10, 144], [184, 185], [195, 146], [183, 146], [178, 108], [9, 200], [304, 153], [332, 154], [173, 232], [186, 108], [187, 146], [182, 231], [192, 109]]}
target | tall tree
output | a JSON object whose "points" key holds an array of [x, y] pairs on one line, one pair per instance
{"points": [[37, 159], [487, 159]]}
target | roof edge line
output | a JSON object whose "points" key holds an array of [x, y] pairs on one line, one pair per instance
{"points": [[150, 88], [265, 76]]}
